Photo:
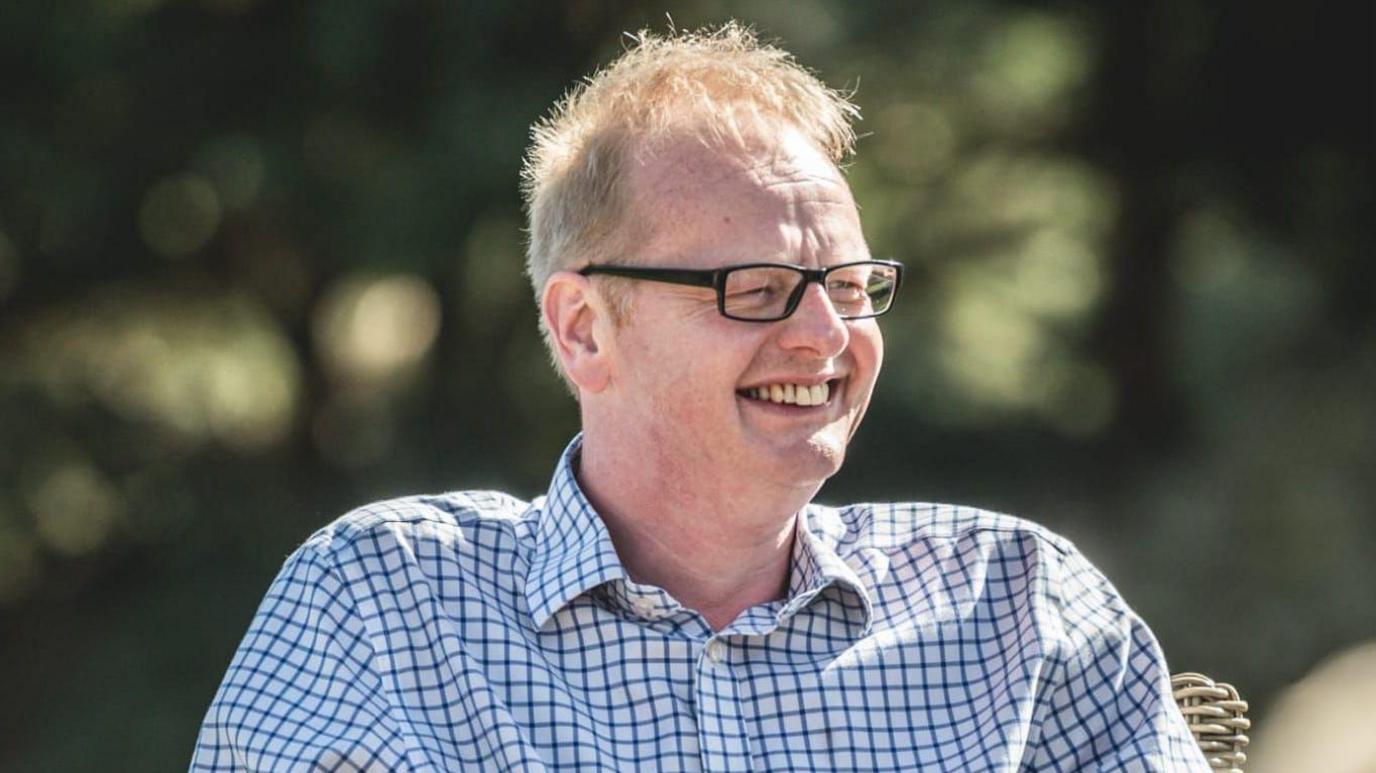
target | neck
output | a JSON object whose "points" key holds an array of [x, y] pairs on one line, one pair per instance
{"points": [[716, 546]]}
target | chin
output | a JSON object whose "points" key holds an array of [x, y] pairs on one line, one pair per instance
{"points": [[812, 461], [830, 454]]}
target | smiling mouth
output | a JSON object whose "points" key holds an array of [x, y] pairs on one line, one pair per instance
{"points": [[800, 395]]}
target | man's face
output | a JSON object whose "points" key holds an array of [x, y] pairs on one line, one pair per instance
{"points": [[687, 375]]}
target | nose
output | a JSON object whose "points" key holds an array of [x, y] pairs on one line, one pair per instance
{"points": [[815, 326]]}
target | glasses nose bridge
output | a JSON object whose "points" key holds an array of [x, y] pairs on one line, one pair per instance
{"points": [[820, 329], [818, 275], [810, 275]]}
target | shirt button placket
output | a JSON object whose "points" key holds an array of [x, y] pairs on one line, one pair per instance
{"points": [[721, 729]]}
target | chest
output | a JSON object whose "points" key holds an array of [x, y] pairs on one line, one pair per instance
{"points": [[606, 694]]}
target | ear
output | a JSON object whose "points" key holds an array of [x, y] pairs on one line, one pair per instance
{"points": [[578, 321]]}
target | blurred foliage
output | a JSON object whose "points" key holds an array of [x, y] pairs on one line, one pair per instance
{"points": [[260, 262]]}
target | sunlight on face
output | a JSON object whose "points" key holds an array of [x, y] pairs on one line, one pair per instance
{"points": [[689, 378]]}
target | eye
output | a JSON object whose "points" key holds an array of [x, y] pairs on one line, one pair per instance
{"points": [[739, 290], [749, 284], [846, 289]]}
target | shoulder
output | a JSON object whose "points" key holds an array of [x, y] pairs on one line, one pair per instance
{"points": [[457, 520], [958, 544], [919, 544], [975, 556], [901, 525]]}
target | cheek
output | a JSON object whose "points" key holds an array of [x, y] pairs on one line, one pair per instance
{"points": [[878, 353], [687, 369], [676, 379], [867, 347], [693, 389], [686, 416], [695, 397]]}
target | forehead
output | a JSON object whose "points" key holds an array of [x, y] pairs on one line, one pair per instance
{"points": [[679, 162], [763, 195]]}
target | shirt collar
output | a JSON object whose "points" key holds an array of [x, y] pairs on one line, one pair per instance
{"points": [[817, 565], [574, 553], [573, 550]]}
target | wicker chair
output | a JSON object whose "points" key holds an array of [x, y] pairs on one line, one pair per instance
{"points": [[1216, 716]]}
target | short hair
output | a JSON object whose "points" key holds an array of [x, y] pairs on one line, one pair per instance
{"points": [[573, 179]]}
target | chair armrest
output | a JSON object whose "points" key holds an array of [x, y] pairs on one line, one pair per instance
{"points": [[1216, 715]]}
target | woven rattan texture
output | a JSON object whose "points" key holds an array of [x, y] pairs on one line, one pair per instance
{"points": [[1216, 716]]}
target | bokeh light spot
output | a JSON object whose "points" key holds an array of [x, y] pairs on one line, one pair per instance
{"points": [[1211, 252], [74, 507], [248, 396], [372, 331], [1057, 275], [990, 346], [179, 215], [202, 366], [1323, 721], [1030, 66]]}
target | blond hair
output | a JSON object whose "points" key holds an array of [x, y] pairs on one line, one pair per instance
{"points": [[707, 82]]}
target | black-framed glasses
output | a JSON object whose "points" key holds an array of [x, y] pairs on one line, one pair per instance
{"points": [[767, 292]]}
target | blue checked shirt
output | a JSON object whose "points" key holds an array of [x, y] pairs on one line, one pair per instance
{"points": [[474, 631]]}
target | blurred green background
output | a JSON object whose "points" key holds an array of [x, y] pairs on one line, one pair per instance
{"points": [[261, 262]]}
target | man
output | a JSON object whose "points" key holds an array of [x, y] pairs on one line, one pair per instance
{"points": [[675, 601]]}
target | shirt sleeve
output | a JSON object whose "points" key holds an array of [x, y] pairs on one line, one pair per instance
{"points": [[1111, 707], [300, 693]]}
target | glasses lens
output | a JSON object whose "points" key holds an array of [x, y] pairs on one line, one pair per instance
{"points": [[764, 292], [862, 290], [759, 292]]}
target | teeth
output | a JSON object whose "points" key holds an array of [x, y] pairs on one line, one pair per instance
{"points": [[793, 394]]}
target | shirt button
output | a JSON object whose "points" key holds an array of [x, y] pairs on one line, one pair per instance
{"points": [[644, 606], [715, 651]]}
